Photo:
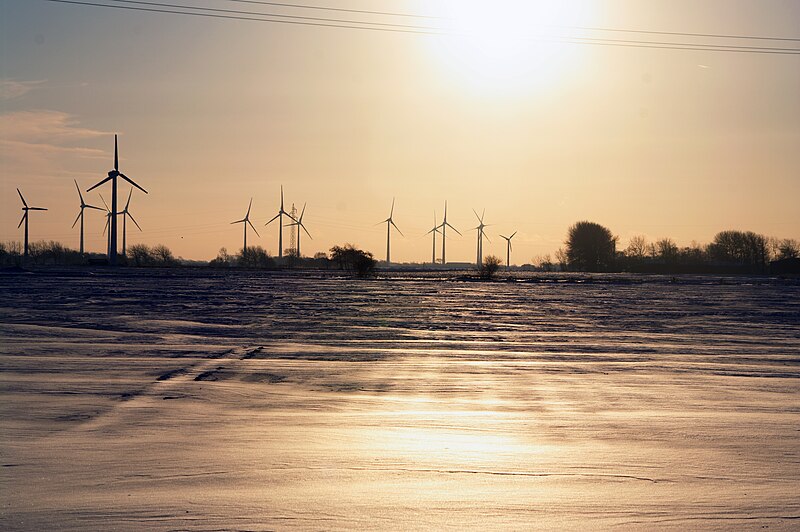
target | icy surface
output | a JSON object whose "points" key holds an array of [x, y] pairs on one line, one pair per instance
{"points": [[169, 400]]}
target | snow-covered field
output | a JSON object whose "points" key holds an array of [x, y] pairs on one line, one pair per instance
{"points": [[171, 400]]}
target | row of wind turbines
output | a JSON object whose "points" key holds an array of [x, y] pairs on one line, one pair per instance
{"points": [[112, 213]]}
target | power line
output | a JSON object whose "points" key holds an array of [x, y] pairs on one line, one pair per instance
{"points": [[158, 7], [338, 9], [589, 28]]}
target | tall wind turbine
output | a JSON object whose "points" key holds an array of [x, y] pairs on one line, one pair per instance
{"points": [[444, 226], [125, 214], [299, 224], [481, 234], [25, 210], [84, 205], [508, 249], [112, 176], [246, 221], [434, 231], [389, 223], [279, 217]]}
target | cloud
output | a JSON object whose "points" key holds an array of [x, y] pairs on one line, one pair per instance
{"points": [[47, 144], [10, 89]]}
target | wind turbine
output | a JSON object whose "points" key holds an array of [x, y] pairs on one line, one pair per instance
{"points": [[389, 223], [481, 234], [109, 216], [434, 231], [299, 224], [508, 249], [84, 205], [246, 221], [279, 217], [125, 214], [444, 227], [25, 209], [112, 176]]}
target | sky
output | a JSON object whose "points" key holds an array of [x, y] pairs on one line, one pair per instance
{"points": [[497, 114]]}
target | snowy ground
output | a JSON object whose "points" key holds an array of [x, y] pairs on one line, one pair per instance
{"points": [[186, 400]]}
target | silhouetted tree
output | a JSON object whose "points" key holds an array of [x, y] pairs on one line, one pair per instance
{"points": [[667, 251], [788, 248], [489, 267], [742, 248], [590, 247], [222, 260], [350, 258], [255, 257], [637, 247]]}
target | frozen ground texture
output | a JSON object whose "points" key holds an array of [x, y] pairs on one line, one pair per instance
{"points": [[169, 400]]}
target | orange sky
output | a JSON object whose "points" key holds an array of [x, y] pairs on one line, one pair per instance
{"points": [[211, 112]]}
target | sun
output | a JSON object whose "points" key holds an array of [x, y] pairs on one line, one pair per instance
{"points": [[510, 44]]}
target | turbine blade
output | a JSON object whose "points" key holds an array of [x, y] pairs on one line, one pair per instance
{"points": [[108, 220], [306, 230], [20, 197], [36, 209], [506, 237], [133, 220], [486, 237], [104, 203], [127, 203], [98, 184], [454, 229], [476, 215], [239, 221], [512, 235], [92, 207], [78, 218], [391, 212], [273, 219], [129, 180], [281, 197], [254, 228], [79, 191], [398, 230], [22, 219], [302, 213], [116, 154]]}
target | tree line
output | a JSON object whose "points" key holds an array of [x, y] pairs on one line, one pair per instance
{"points": [[591, 247]]}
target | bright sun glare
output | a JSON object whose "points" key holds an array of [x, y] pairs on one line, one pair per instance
{"points": [[510, 44]]}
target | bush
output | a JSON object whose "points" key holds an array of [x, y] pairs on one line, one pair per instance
{"points": [[255, 257], [489, 267], [350, 258], [142, 256]]}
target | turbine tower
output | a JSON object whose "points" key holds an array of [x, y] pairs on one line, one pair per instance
{"points": [[25, 210], [298, 224], [508, 248], [125, 214], [389, 223], [434, 231], [246, 221], [444, 226], [481, 234], [109, 215], [279, 217], [80, 214], [112, 176]]}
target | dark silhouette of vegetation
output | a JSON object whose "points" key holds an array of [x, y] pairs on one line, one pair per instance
{"points": [[489, 268], [590, 248], [255, 257], [143, 256], [352, 259]]}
